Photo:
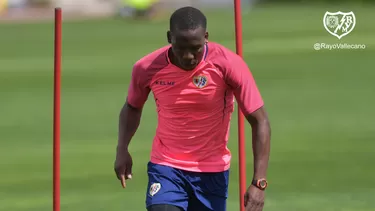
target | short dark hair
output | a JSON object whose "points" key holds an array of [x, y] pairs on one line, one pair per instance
{"points": [[187, 18]]}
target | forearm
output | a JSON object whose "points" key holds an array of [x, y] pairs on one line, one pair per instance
{"points": [[261, 134], [128, 124]]}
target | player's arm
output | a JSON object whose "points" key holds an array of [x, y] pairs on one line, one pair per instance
{"points": [[128, 124], [251, 104], [129, 120], [261, 135], [131, 112]]}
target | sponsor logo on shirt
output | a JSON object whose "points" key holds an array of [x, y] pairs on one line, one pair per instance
{"points": [[164, 83]]}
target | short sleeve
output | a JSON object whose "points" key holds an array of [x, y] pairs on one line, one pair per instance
{"points": [[138, 88], [241, 80]]}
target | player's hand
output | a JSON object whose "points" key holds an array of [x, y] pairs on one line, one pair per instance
{"points": [[123, 165], [254, 199]]}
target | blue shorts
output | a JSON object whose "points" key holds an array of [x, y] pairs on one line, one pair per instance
{"points": [[191, 191]]}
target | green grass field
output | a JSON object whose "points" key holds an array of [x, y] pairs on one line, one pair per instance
{"points": [[320, 103]]}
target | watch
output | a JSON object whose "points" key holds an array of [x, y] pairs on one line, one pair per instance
{"points": [[260, 183]]}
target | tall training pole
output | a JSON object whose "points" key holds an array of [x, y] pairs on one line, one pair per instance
{"points": [[241, 130], [56, 110]]}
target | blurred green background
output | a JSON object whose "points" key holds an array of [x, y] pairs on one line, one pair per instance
{"points": [[320, 104]]}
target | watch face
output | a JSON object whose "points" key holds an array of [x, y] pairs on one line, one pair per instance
{"points": [[262, 183]]}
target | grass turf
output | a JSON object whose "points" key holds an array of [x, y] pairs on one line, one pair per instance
{"points": [[320, 104]]}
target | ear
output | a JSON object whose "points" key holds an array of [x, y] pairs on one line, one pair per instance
{"points": [[206, 36], [169, 37]]}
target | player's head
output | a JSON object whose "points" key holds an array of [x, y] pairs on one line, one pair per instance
{"points": [[187, 34]]}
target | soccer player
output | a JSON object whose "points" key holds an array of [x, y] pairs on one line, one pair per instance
{"points": [[194, 83]]}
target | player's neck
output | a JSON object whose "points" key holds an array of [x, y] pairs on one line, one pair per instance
{"points": [[172, 59]]}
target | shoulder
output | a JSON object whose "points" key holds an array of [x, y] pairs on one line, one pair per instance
{"points": [[217, 51], [222, 57], [152, 62]]}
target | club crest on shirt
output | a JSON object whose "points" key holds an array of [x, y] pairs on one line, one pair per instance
{"points": [[200, 81], [154, 188]]}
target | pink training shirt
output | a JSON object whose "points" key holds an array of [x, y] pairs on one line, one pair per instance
{"points": [[194, 107]]}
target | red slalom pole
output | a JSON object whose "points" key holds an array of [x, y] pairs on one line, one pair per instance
{"points": [[241, 128], [56, 111]]}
